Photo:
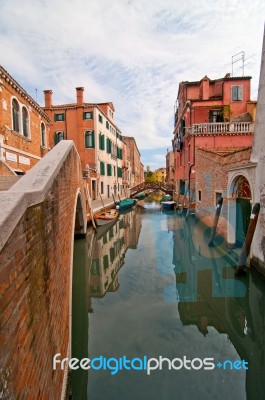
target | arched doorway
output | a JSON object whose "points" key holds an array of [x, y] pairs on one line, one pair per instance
{"points": [[242, 194]]}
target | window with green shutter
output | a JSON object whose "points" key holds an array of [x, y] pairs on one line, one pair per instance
{"points": [[109, 169], [107, 124], [59, 117], [102, 168], [100, 118], [89, 139], [108, 146], [58, 136], [106, 261], [102, 142], [119, 172]]}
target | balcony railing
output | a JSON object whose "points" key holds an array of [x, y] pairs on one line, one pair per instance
{"points": [[221, 127]]}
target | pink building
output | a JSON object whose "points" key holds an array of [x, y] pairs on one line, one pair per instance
{"points": [[210, 114]]}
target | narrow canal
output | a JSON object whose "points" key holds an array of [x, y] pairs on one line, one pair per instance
{"points": [[151, 288]]}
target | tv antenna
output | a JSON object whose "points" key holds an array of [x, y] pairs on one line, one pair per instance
{"points": [[236, 58]]}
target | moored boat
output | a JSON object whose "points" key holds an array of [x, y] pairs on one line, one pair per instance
{"points": [[168, 205], [167, 197], [126, 204], [140, 196], [106, 216]]}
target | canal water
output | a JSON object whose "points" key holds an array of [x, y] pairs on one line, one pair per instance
{"points": [[161, 314]]}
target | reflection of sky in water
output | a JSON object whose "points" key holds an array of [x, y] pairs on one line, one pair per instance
{"points": [[142, 318]]}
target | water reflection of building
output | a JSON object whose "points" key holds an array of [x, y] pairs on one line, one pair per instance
{"points": [[210, 296], [109, 253]]}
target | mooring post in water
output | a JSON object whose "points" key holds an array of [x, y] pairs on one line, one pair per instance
{"points": [[240, 270], [215, 222]]}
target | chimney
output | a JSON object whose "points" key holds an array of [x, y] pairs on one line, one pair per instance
{"points": [[48, 98], [79, 96], [205, 88]]}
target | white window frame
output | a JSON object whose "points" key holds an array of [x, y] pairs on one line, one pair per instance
{"points": [[242, 93]]}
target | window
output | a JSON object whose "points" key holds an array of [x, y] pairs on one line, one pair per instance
{"points": [[102, 168], [109, 169], [25, 122], [15, 115], [58, 136], [95, 267], [89, 139], [108, 146], [88, 115], [107, 124], [237, 93], [199, 195], [100, 118], [102, 187], [119, 172], [216, 116], [42, 135], [101, 142], [58, 117]]}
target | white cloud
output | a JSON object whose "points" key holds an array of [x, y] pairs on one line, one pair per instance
{"points": [[133, 53]]}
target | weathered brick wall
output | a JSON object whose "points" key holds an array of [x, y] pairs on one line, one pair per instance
{"points": [[212, 177], [5, 170], [35, 278]]}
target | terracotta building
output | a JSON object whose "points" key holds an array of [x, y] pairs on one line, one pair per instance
{"points": [[24, 128], [134, 156], [210, 114], [97, 138]]}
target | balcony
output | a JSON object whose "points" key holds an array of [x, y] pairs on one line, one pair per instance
{"points": [[221, 128]]}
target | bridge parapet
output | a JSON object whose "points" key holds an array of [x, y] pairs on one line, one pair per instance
{"points": [[152, 185], [38, 217]]}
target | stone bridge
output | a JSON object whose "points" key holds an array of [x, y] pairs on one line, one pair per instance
{"points": [[39, 217], [154, 186]]}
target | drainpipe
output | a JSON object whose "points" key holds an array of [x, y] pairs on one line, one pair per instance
{"points": [[66, 124], [193, 162]]}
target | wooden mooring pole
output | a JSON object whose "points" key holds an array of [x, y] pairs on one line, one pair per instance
{"points": [[240, 270], [215, 222]]}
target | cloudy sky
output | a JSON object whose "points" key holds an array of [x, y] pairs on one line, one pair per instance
{"points": [[131, 52]]}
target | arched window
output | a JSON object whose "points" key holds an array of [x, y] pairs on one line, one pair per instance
{"points": [[25, 122], [43, 134], [15, 115]]}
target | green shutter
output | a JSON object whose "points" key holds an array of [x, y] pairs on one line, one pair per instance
{"points": [[102, 168], [55, 138], [108, 146], [109, 169], [103, 142], [93, 139]]}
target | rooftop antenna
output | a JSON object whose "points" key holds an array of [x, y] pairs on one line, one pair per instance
{"points": [[36, 90], [241, 56]]}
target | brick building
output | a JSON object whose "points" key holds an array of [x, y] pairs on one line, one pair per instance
{"points": [[211, 114], [24, 128], [213, 167], [134, 156], [97, 138]]}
